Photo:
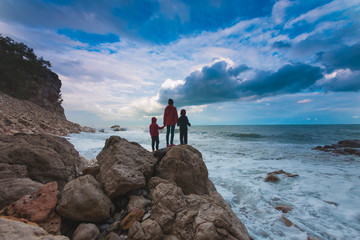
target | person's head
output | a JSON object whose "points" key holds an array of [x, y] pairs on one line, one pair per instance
{"points": [[170, 101], [183, 112], [153, 119]]}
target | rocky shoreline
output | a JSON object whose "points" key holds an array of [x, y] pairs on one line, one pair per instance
{"points": [[48, 192], [22, 116]]}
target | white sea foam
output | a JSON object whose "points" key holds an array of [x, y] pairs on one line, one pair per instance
{"points": [[325, 197]]}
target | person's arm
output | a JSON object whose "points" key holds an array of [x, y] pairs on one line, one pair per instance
{"points": [[165, 116], [188, 123], [160, 127]]}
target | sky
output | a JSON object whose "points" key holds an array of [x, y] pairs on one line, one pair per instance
{"points": [[225, 62]]}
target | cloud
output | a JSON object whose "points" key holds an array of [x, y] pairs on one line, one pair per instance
{"points": [[281, 44], [304, 101], [220, 82], [340, 81], [344, 57]]}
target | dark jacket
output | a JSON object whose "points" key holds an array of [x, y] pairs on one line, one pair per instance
{"points": [[183, 122]]}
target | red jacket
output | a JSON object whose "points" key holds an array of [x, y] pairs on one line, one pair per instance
{"points": [[154, 128], [170, 116]]}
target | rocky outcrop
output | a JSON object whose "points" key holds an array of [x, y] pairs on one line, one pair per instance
{"points": [[272, 176], [124, 166], [184, 166], [83, 200], [12, 229], [38, 208], [46, 158], [21, 116], [134, 195], [345, 147]]}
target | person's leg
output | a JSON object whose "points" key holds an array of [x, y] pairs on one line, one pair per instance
{"points": [[181, 136], [157, 142], [185, 136], [172, 134], [152, 143], [167, 135]]}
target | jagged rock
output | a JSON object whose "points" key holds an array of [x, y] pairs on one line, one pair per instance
{"points": [[194, 216], [38, 208], [147, 230], [11, 229], [12, 189], [86, 231], [345, 147], [133, 216], [283, 208], [138, 202], [47, 158], [124, 166], [184, 165], [83, 200], [271, 176], [286, 221]]}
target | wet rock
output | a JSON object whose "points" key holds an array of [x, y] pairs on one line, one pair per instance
{"points": [[286, 221], [11, 229], [38, 208], [184, 166], [83, 200], [124, 166], [283, 208], [113, 227], [346, 147], [86, 231], [133, 216], [271, 176]]}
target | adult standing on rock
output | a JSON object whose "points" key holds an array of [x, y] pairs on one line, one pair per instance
{"points": [[170, 120]]}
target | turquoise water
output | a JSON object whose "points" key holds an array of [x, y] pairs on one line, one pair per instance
{"points": [[238, 159]]}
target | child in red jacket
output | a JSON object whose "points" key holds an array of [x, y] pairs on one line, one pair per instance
{"points": [[154, 132]]}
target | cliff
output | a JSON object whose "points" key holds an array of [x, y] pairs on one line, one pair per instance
{"points": [[30, 97]]}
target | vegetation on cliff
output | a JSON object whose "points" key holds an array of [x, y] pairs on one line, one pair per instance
{"points": [[25, 76]]}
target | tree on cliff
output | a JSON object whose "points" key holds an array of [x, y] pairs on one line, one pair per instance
{"points": [[25, 76]]}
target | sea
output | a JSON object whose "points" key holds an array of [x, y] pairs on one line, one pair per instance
{"points": [[325, 197]]}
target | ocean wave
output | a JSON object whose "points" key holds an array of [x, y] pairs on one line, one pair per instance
{"points": [[245, 135]]}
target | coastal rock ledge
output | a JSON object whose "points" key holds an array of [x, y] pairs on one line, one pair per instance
{"points": [[137, 195]]}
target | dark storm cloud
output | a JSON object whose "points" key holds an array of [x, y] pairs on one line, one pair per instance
{"points": [[344, 57], [345, 81], [218, 83], [281, 44]]}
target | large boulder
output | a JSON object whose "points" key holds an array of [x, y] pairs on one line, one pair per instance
{"points": [[12, 189], [184, 165], [46, 158], [124, 166], [192, 216], [12, 229], [83, 200], [38, 208]]}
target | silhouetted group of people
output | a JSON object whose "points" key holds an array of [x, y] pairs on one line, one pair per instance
{"points": [[171, 119]]}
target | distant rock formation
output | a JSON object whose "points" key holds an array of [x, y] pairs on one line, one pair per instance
{"points": [[168, 197], [345, 147]]}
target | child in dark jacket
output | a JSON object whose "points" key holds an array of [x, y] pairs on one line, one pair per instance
{"points": [[183, 122], [154, 132]]}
